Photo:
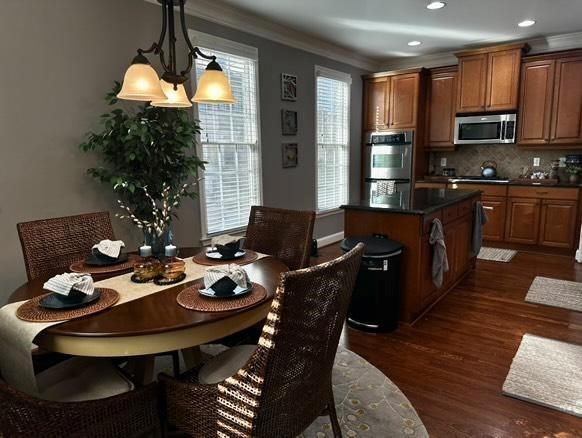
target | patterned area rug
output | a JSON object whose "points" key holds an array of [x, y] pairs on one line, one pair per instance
{"points": [[496, 254], [548, 373], [556, 293], [368, 404]]}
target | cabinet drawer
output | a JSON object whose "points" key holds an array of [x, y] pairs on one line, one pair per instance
{"points": [[544, 193], [487, 189], [450, 213], [430, 185]]}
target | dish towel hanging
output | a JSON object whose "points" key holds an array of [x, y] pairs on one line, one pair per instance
{"points": [[579, 251], [440, 262], [479, 219]]}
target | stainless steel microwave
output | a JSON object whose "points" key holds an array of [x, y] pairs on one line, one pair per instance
{"points": [[488, 129]]}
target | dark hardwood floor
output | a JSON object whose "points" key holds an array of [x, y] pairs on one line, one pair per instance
{"points": [[452, 363]]}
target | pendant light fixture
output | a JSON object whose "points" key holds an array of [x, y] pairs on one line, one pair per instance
{"points": [[141, 82]]}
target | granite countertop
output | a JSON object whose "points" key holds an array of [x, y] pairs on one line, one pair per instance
{"points": [[420, 201], [512, 182]]}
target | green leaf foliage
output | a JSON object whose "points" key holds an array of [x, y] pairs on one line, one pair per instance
{"points": [[144, 147]]}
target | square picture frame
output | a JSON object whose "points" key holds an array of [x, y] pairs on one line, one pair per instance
{"points": [[288, 87], [289, 155], [288, 122]]}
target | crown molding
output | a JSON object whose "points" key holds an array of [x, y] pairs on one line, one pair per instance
{"points": [[226, 15], [539, 45]]}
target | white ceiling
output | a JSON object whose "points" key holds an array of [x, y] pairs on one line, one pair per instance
{"points": [[381, 29]]}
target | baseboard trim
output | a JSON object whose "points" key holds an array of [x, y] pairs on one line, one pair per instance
{"points": [[328, 240]]}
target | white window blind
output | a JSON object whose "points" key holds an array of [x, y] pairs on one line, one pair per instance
{"points": [[333, 132], [230, 145]]}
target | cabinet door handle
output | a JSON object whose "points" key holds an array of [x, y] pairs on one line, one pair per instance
{"points": [[488, 208]]}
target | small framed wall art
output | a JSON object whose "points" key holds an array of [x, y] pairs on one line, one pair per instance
{"points": [[289, 155], [288, 87], [288, 122]]}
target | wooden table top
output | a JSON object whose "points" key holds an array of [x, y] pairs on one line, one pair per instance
{"points": [[155, 313]]}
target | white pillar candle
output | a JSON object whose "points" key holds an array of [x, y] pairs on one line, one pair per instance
{"points": [[170, 250], [145, 251]]}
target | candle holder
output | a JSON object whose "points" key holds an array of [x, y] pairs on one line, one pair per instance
{"points": [[147, 267], [173, 268]]}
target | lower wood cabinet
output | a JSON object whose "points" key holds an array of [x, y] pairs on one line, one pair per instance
{"points": [[495, 208], [558, 223], [523, 220]]}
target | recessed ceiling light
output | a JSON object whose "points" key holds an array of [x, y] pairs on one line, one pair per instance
{"points": [[434, 4], [526, 23], [415, 43]]}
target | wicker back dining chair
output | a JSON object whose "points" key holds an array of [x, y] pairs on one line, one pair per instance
{"points": [[283, 234], [50, 245], [132, 414], [286, 383]]}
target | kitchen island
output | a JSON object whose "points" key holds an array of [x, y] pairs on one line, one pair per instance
{"points": [[407, 218]]}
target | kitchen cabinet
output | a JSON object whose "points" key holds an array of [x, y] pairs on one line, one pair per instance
{"points": [[523, 219], [489, 79], [495, 209], [403, 107], [535, 114], [550, 112], [567, 108], [558, 223], [391, 100], [440, 108], [375, 98]]}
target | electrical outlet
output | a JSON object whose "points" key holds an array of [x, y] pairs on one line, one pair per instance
{"points": [[562, 161], [536, 161], [443, 162]]}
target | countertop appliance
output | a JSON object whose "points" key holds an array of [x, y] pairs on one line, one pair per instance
{"points": [[388, 166], [486, 129], [489, 169], [374, 305]]}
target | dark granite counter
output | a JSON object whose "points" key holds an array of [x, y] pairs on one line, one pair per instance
{"points": [[511, 182], [420, 201]]}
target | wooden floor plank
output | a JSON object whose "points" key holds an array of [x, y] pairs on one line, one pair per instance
{"points": [[452, 363]]}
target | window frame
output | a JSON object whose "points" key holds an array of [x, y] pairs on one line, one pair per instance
{"points": [[204, 40], [329, 73]]}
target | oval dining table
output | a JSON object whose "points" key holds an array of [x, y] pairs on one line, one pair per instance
{"points": [[155, 323]]}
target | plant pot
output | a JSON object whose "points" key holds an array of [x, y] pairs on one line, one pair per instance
{"points": [[158, 242], [573, 179]]}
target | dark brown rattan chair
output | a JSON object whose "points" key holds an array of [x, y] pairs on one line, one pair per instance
{"points": [[283, 234], [286, 383], [132, 414], [51, 245]]}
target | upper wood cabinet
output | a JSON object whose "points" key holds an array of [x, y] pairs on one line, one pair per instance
{"points": [[472, 83], [535, 113], [440, 108], [550, 110], [489, 79], [391, 100], [567, 109], [403, 108], [375, 98]]}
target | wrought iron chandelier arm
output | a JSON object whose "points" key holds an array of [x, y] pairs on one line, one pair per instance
{"points": [[194, 51]]}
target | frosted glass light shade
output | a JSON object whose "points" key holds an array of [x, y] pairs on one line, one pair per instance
{"points": [[174, 98], [213, 87], [141, 82]]}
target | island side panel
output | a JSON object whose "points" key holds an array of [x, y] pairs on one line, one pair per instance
{"points": [[404, 228]]}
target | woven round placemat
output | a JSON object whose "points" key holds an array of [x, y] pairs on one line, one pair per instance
{"points": [[32, 312], [249, 257], [191, 299], [83, 268]]}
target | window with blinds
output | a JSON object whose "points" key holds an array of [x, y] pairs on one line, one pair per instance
{"points": [[230, 145], [333, 132]]}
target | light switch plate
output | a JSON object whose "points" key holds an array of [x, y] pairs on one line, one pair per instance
{"points": [[443, 162], [562, 161], [536, 161]]}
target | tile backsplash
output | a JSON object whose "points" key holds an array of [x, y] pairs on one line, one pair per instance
{"points": [[510, 159]]}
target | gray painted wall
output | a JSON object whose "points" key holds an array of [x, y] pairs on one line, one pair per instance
{"points": [[60, 57]]}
